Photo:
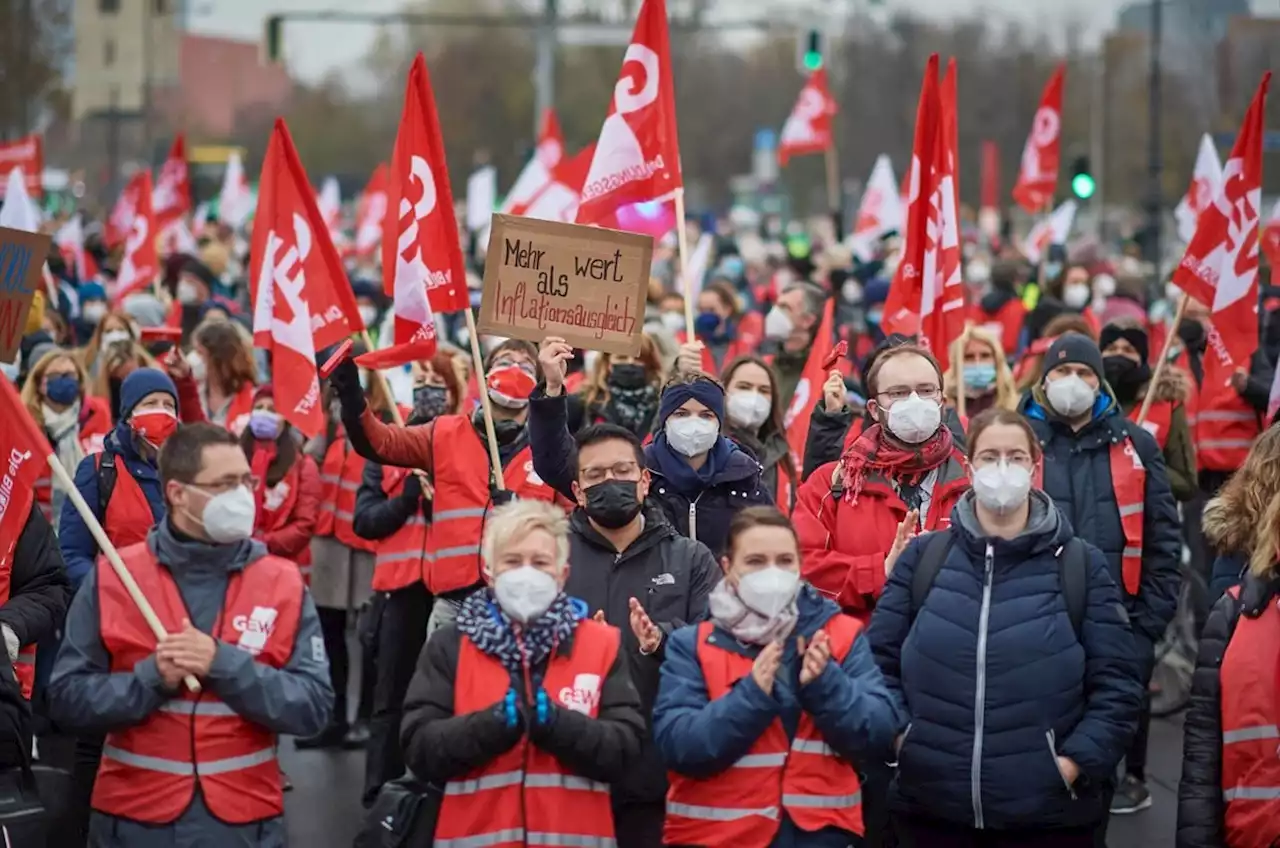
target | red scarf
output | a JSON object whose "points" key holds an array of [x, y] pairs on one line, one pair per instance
{"points": [[874, 453]]}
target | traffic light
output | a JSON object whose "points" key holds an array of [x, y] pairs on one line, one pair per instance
{"points": [[809, 50], [1082, 183], [271, 38]]}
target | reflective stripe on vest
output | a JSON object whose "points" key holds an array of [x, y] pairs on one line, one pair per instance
{"points": [[401, 556], [1226, 427], [186, 767], [1249, 734], [1129, 482], [517, 836]]}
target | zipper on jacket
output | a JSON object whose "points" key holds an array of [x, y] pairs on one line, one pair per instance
{"points": [[1053, 754], [693, 516], [980, 687]]}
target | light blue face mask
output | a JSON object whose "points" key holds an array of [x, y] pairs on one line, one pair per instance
{"points": [[981, 375]]}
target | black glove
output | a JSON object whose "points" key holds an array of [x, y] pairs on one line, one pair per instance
{"points": [[412, 489], [345, 381], [499, 497]]}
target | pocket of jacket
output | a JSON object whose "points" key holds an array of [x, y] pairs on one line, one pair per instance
{"points": [[1053, 757]]}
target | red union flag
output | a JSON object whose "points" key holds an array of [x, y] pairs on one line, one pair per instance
{"points": [[558, 199], [537, 173], [942, 305], [637, 156], [25, 456], [141, 263], [172, 196], [26, 153], [1204, 185], [1038, 177], [291, 250], [1220, 267], [808, 128], [371, 208]]}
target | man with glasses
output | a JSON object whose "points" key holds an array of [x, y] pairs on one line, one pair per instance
{"points": [[183, 767], [634, 570]]}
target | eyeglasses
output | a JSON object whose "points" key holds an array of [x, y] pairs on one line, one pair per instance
{"points": [[1020, 458], [897, 393], [226, 484], [618, 471]]}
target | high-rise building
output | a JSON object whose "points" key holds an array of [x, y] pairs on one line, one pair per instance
{"points": [[124, 51]]}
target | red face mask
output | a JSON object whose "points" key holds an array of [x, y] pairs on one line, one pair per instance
{"points": [[154, 425], [510, 386]]}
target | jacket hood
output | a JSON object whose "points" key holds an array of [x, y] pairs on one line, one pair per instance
{"points": [[1229, 524], [1107, 413], [1047, 528], [814, 610]]}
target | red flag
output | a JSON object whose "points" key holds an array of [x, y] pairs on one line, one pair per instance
{"points": [[1220, 267], [637, 157], [808, 392], [942, 298], [26, 153], [25, 458], [120, 221], [371, 208], [901, 308], [140, 263], [808, 129], [1038, 178], [550, 148], [292, 251], [172, 197], [537, 173], [558, 199]]}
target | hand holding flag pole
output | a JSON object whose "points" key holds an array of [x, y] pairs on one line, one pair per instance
{"points": [[495, 458], [1163, 360]]}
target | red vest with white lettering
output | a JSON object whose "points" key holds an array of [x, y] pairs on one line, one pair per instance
{"points": [[742, 805], [1159, 418], [1225, 430], [460, 466], [402, 555], [1250, 741], [128, 518], [150, 771], [95, 424], [1129, 482], [526, 796]]}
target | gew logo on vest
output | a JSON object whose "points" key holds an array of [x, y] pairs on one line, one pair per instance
{"points": [[584, 695], [255, 628]]}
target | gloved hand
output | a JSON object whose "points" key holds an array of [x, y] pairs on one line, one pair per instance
{"points": [[412, 489], [499, 497], [510, 710], [345, 380], [541, 716]]}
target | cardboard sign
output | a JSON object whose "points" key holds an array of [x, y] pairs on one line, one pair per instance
{"points": [[22, 257], [584, 284]]}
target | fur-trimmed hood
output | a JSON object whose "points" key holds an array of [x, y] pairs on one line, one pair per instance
{"points": [[1174, 385], [1229, 526]]}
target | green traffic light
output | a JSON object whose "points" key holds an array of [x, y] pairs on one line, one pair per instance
{"points": [[1083, 186], [812, 60]]}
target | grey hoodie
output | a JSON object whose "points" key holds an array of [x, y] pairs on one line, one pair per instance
{"points": [[85, 696], [1042, 520]]}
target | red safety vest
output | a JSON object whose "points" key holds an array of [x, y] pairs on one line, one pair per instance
{"points": [[401, 556], [340, 477], [149, 771], [1250, 740], [1129, 482], [526, 796], [460, 467], [95, 424], [128, 518], [1159, 417], [1226, 426], [24, 667], [275, 505], [743, 805]]}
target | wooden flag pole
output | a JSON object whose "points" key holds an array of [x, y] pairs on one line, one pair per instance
{"points": [[682, 244], [495, 458], [386, 387], [113, 556], [1161, 362]]}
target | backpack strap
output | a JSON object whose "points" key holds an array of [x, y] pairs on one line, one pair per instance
{"points": [[936, 548], [1073, 574], [106, 481]]}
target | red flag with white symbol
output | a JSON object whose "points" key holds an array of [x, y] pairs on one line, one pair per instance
{"points": [[120, 221], [1038, 177], [879, 212], [371, 209], [1220, 267], [1048, 231], [171, 199], [429, 274], [558, 200], [942, 306], [1204, 185], [808, 128], [140, 263], [637, 156], [902, 307], [70, 241], [293, 263], [537, 173], [25, 458]]}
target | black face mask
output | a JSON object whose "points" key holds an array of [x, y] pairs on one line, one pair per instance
{"points": [[627, 376], [507, 430], [1191, 333], [430, 402], [613, 503], [1125, 376]]}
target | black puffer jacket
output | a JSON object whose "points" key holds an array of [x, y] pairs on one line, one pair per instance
{"points": [[1200, 804], [39, 589]]}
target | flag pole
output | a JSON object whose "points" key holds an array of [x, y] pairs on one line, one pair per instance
{"points": [[386, 387], [495, 460], [1164, 358], [682, 244], [113, 556]]}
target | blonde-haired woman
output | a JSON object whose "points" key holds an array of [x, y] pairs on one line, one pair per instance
{"points": [[523, 709], [622, 390], [113, 329], [1230, 771], [978, 363], [75, 422], [1233, 516]]}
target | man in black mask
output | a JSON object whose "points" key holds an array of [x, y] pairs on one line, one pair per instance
{"points": [[634, 570], [1125, 348]]}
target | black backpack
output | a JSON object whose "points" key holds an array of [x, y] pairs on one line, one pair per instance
{"points": [[403, 815], [1073, 562], [106, 482]]}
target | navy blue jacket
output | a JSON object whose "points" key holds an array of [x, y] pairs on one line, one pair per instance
{"points": [[1077, 475], [996, 685], [848, 703], [1228, 571], [734, 487]]}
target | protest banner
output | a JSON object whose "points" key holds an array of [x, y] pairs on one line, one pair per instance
{"points": [[22, 257], [585, 284]]}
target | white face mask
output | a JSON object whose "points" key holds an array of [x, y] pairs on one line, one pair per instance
{"points": [[691, 436], [228, 517], [187, 292], [198, 370], [673, 321], [1076, 295], [748, 409], [769, 591], [778, 325], [914, 419], [1070, 396], [1002, 487], [111, 337], [525, 593], [369, 315], [94, 312]]}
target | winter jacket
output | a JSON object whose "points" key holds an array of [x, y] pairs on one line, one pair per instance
{"points": [[697, 737], [377, 516], [996, 683], [1077, 475], [671, 576], [1200, 804], [1228, 571], [39, 593], [1179, 448], [292, 539], [1229, 526], [440, 746], [844, 544], [735, 487], [86, 697], [831, 432], [770, 453]]}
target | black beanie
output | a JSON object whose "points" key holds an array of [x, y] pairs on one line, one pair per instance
{"points": [[1071, 348], [1135, 336]]}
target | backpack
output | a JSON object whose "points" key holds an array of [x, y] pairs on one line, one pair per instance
{"points": [[403, 815], [1073, 562], [106, 482]]}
